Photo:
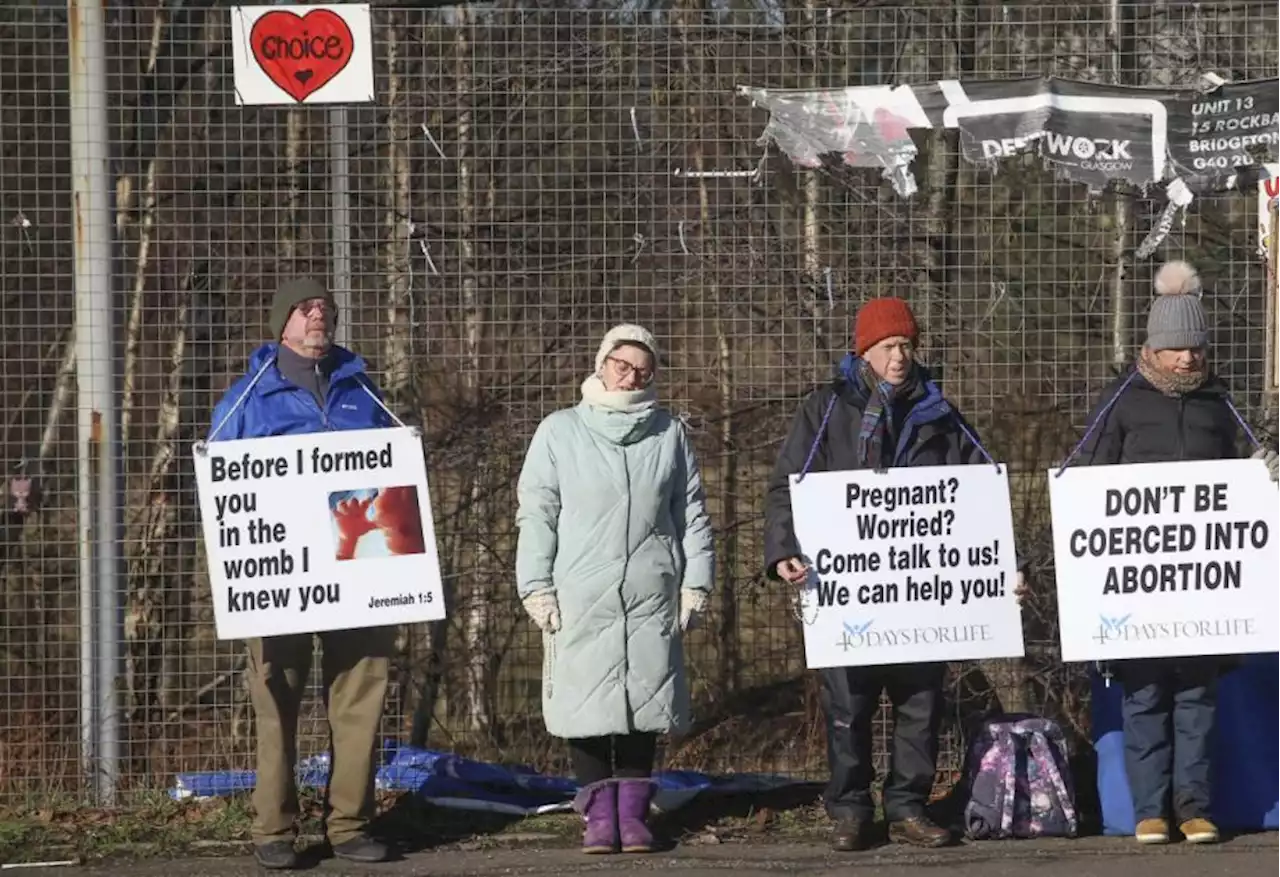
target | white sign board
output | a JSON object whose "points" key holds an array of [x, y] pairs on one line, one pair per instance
{"points": [[323, 531], [1166, 559], [288, 55], [909, 565]]}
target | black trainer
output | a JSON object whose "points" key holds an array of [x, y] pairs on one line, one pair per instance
{"points": [[276, 855], [363, 849]]}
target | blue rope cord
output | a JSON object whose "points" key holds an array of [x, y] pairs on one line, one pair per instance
{"points": [[1097, 421], [1257, 445], [977, 444], [817, 439]]}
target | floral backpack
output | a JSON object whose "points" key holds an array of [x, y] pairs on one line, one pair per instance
{"points": [[1018, 782]]}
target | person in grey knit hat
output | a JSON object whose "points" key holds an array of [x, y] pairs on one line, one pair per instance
{"points": [[1169, 407]]}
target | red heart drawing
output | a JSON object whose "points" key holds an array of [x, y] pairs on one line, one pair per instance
{"points": [[301, 53]]}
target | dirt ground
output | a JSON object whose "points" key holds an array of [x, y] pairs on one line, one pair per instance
{"points": [[1088, 857], [762, 835]]}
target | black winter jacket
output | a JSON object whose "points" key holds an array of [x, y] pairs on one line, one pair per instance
{"points": [[935, 439], [1146, 426]]}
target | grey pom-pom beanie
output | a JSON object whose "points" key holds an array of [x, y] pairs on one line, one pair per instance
{"points": [[1177, 320]]}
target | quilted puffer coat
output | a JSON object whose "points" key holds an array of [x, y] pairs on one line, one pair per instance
{"points": [[612, 516]]}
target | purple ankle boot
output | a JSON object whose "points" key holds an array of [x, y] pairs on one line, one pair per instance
{"points": [[598, 804], [633, 809]]}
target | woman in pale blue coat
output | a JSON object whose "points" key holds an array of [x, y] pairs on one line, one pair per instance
{"points": [[614, 560]]}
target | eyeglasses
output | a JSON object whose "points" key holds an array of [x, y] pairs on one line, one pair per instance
{"points": [[314, 304], [625, 369]]}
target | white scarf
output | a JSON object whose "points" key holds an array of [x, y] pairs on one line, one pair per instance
{"points": [[628, 401]]}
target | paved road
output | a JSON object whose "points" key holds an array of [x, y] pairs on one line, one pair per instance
{"points": [[1251, 856]]}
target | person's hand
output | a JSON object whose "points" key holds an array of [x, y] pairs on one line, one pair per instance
{"points": [[793, 570], [1020, 589], [544, 609], [396, 512], [352, 518], [1270, 458], [692, 605]]}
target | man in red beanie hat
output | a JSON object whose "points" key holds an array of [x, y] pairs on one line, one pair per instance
{"points": [[881, 410]]}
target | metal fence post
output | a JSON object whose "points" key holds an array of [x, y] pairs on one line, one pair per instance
{"points": [[97, 424]]}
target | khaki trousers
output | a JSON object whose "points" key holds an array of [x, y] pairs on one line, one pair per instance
{"points": [[355, 665]]}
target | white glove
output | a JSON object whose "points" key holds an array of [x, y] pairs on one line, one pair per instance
{"points": [[692, 604], [543, 608], [1270, 458]]}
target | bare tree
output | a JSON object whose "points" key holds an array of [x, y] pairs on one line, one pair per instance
{"points": [[293, 123], [124, 204], [727, 631], [153, 660], [396, 359], [476, 621], [1119, 39], [810, 229]]}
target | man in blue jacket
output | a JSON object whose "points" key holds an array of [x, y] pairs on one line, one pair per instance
{"points": [[301, 382]]}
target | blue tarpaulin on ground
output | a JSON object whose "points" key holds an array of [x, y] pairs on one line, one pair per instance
{"points": [[1246, 783], [448, 780]]}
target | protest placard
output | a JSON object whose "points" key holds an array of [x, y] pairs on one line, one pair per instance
{"points": [[907, 566], [1165, 559], [322, 531], [289, 54]]}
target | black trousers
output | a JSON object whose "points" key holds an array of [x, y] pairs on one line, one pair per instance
{"points": [[850, 698], [618, 755], [1168, 710]]}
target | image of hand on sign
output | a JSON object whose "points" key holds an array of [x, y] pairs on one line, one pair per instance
{"points": [[378, 522], [351, 521], [1020, 589]]}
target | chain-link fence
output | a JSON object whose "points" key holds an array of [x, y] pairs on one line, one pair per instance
{"points": [[524, 180]]}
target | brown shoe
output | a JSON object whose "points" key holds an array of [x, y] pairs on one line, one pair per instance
{"points": [[1152, 831], [919, 831], [848, 835], [1199, 831]]}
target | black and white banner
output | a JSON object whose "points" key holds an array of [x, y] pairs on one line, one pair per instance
{"points": [[1233, 126], [1085, 132]]}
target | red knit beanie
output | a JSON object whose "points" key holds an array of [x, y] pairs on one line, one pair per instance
{"points": [[882, 318]]}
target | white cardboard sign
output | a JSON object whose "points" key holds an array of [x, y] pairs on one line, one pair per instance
{"points": [[910, 565], [323, 531], [289, 55], [1166, 559]]}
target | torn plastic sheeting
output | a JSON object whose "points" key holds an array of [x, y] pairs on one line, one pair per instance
{"points": [[1179, 197], [448, 780], [1088, 132], [864, 126], [1085, 132]]}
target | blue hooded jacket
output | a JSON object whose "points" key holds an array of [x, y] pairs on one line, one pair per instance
{"points": [[262, 402]]}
